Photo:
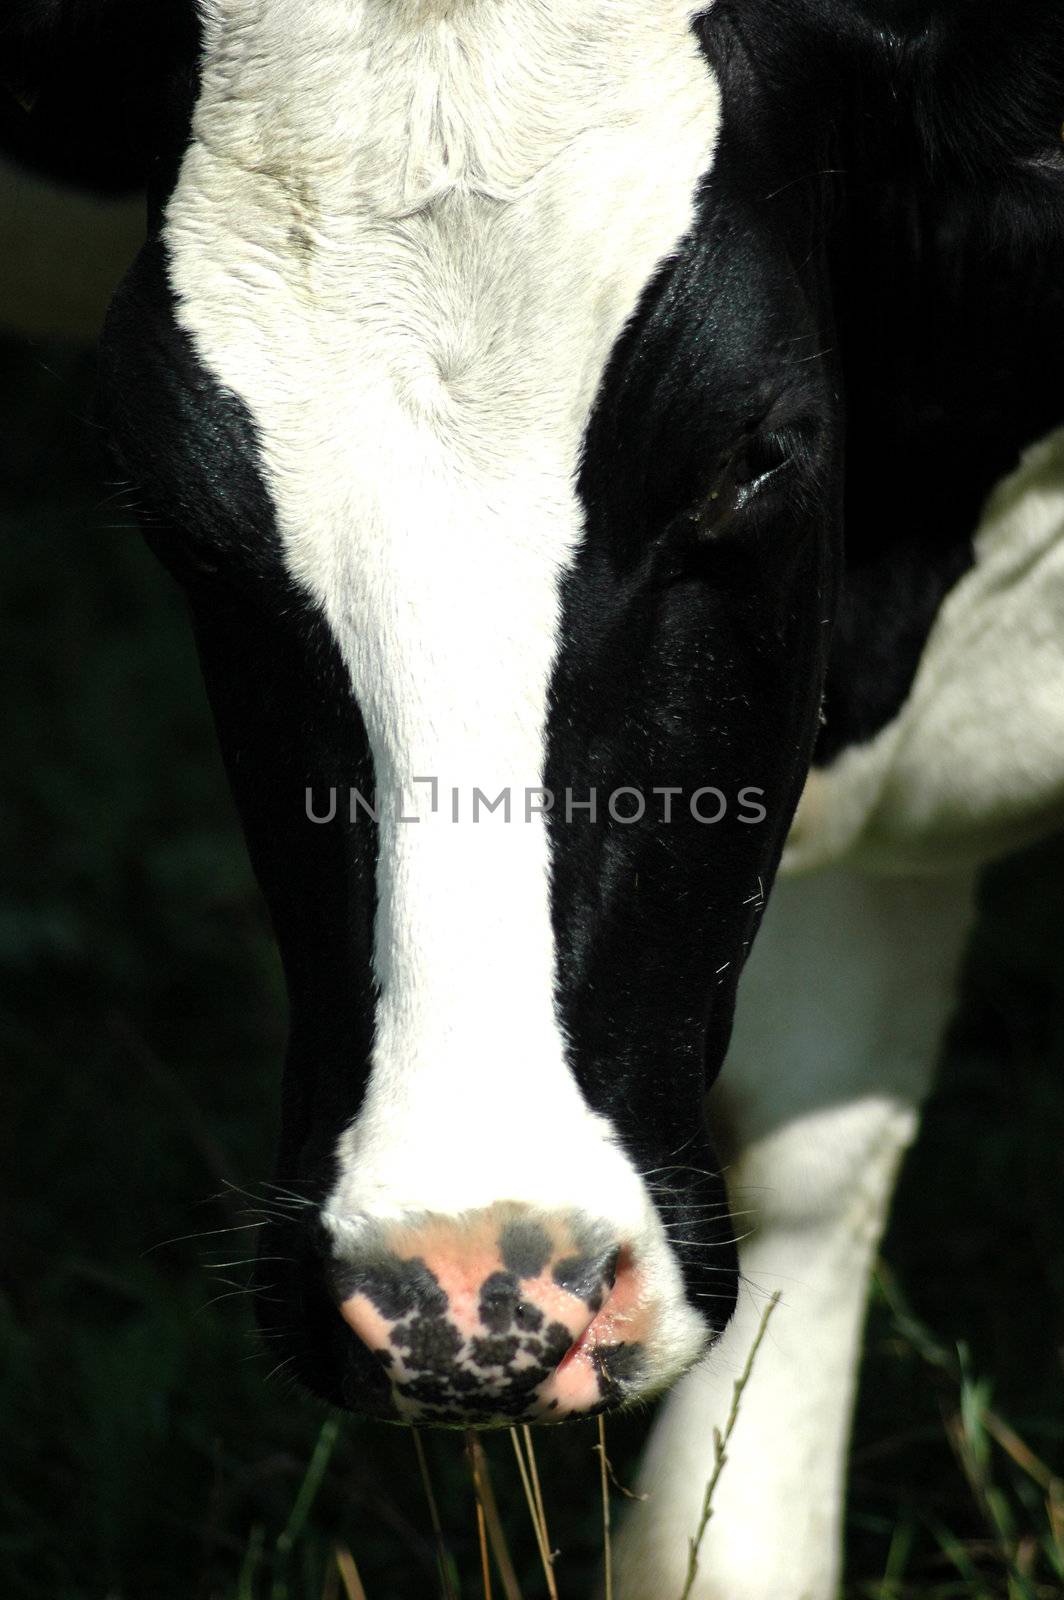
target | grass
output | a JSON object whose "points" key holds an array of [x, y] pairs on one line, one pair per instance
{"points": [[721, 1441], [1021, 1555], [148, 1451]]}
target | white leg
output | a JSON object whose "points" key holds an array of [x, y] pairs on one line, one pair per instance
{"points": [[840, 1015]]}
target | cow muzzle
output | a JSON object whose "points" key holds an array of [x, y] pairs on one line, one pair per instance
{"points": [[499, 1315]]}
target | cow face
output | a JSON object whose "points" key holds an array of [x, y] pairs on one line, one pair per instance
{"points": [[473, 380]]}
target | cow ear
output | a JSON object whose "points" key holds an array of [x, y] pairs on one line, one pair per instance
{"points": [[87, 87]]}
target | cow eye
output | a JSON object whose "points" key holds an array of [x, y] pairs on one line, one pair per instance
{"points": [[754, 468]]}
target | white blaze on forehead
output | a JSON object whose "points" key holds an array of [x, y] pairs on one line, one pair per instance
{"points": [[407, 234]]}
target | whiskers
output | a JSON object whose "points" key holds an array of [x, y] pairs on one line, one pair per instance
{"points": [[283, 1374], [273, 1201], [126, 496], [675, 1166], [205, 1233], [227, 1254]]}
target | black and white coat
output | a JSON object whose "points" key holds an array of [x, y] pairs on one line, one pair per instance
{"points": [[548, 395]]}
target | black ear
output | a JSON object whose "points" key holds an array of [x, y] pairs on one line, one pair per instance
{"points": [[992, 90], [97, 92], [981, 81]]}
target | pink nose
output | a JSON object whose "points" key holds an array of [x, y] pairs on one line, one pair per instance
{"points": [[495, 1321]]}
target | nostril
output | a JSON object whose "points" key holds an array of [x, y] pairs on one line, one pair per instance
{"points": [[588, 1278], [527, 1317], [499, 1301]]}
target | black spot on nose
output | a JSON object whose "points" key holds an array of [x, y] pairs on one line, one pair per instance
{"points": [[397, 1288], [588, 1277], [617, 1365], [430, 1343], [525, 1249], [555, 1343], [529, 1318], [495, 1352], [498, 1301]]}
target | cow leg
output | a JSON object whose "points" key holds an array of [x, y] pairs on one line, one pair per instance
{"points": [[841, 1011]]}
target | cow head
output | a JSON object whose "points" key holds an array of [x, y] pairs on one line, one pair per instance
{"points": [[473, 381]]}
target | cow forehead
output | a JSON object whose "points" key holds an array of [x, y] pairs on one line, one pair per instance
{"points": [[446, 209], [407, 234]]}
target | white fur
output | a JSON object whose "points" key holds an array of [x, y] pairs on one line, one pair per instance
{"points": [[973, 764], [840, 1013], [407, 234]]}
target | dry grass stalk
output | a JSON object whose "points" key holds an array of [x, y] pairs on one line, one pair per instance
{"points": [[720, 1448], [629, 1494], [442, 1557], [538, 1525], [533, 1467], [485, 1564], [607, 1544], [486, 1498], [1021, 1452], [348, 1573]]}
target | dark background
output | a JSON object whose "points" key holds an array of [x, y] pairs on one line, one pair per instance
{"points": [[147, 1450]]}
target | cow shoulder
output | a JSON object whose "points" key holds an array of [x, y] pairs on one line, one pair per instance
{"points": [[949, 294]]}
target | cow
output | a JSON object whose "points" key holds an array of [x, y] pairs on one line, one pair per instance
{"points": [[612, 452]]}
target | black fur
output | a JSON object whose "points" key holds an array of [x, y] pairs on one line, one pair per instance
{"points": [[948, 286], [695, 639]]}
